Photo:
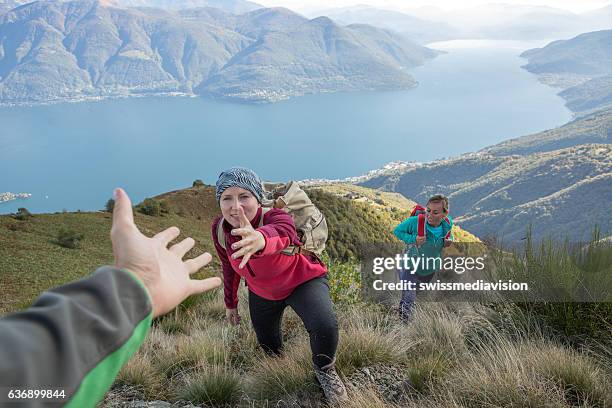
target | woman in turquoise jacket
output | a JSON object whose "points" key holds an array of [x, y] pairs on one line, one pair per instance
{"points": [[436, 229]]}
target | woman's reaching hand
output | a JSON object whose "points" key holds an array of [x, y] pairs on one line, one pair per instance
{"points": [[251, 242]]}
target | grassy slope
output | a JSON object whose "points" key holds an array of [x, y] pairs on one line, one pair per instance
{"points": [[31, 261], [469, 354], [392, 208], [451, 355]]}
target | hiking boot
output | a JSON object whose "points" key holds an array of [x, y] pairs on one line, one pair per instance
{"points": [[332, 385]]}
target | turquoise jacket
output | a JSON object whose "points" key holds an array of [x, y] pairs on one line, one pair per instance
{"points": [[407, 232]]}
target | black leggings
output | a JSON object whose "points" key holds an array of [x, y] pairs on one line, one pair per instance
{"points": [[312, 303]]}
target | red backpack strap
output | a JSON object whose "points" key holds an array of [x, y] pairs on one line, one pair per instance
{"points": [[421, 225], [417, 210]]}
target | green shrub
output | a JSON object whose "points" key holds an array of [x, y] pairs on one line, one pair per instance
{"points": [[582, 381], [353, 225], [110, 205], [68, 238], [22, 214], [164, 208], [150, 207], [344, 280], [576, 280], [198, 183]]}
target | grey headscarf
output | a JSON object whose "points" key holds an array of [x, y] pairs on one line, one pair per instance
{"points": [[240, 177]]}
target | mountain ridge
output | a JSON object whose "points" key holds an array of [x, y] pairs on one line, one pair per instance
{"points": [[507, 182], [581, 67], [57, 51]]}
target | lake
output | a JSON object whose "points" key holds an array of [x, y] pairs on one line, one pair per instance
{"points": [[70, 156]]}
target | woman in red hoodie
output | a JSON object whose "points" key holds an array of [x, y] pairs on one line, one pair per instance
{"points": [[275, 280]]}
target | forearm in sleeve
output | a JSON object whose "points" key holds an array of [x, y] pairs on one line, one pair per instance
{"points": [[75, 337], [404, 232]]}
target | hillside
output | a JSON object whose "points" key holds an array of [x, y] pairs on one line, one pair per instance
{"points": [[77, 50], [231, 6], [501, 195], [485, 21], [594, 128], [417, 29], [581, 66], [389, 208], [593, 94], [30, 245], [587, 54]]}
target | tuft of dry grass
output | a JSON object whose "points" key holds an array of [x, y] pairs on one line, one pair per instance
{"points": [[216, 386], [140, 374], [281, 378]]}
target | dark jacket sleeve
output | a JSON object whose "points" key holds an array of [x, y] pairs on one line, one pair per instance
{"points": [[74, 338], [231, 280]]}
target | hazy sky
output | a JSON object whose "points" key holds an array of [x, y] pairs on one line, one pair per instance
{"points": [[307, 5]]}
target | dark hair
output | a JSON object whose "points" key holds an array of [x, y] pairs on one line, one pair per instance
{"points": [[437, 199]]}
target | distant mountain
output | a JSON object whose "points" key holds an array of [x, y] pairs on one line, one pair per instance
{"points": [[541, 179], [587, 54], [231, 6], [417, 29], [6, 5], [85, 49], [582, 66], [601, 17], [595, 128], [517, 22], [489, 21]]}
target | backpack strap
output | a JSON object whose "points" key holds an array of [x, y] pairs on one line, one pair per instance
{"points": [[421, 225], [220, 233], [264, 210]]}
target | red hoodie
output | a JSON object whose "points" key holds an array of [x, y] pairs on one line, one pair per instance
{"points": [[268, 273]]}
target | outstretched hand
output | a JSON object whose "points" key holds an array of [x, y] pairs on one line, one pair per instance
{"points": [[251, 242], [163, 272]]}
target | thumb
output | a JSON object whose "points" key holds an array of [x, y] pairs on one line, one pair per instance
{"points": [[204, 285], [122, 211]]}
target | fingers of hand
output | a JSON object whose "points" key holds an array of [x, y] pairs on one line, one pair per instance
{"points": [[195, 264], [245, 259], [241, 231], [249, 249], [122, 211], [248, 240], [239, 244], [182, 247], [167, 235], [199, 286]]}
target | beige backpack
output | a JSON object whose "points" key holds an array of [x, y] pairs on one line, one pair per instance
{"points": [[309, 222]]}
